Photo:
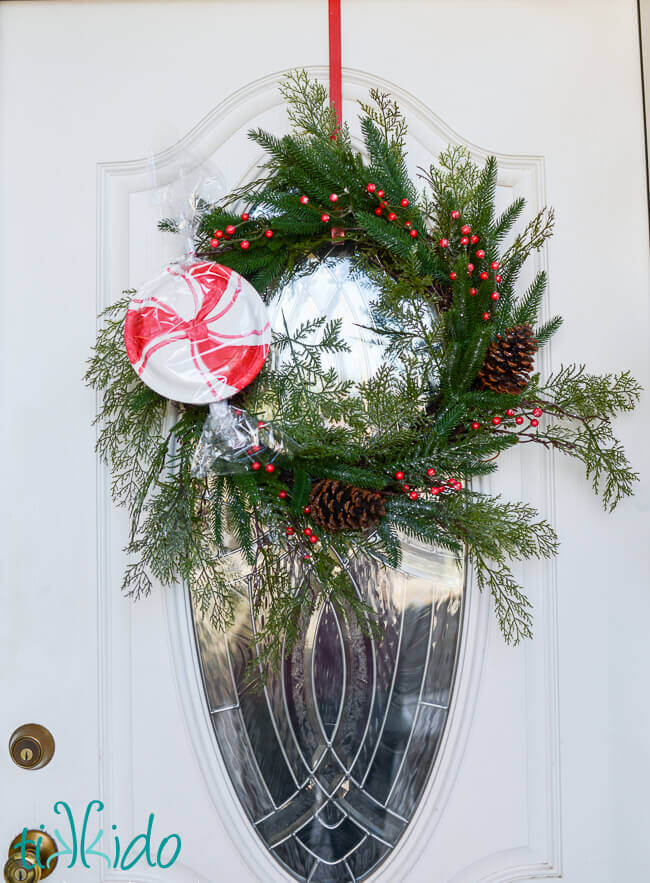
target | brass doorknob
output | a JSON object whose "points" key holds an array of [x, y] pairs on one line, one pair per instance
{"points": [[35, 865], [31, 746]]}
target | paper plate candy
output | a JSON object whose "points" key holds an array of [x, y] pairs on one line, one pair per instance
{"points": [[197, 333]]}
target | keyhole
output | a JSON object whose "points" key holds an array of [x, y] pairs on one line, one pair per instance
{"points": [[26, 755], [20, 874]]}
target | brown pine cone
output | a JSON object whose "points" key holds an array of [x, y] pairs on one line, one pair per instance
{"points": [[338, 506], [509, 361]]}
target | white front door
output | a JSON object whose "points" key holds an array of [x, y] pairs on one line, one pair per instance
{"points": [[107, 108]]}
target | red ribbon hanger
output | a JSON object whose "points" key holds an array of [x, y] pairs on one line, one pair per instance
{"points": [[336, 88]]}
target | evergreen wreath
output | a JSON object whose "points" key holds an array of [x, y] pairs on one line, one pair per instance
{"points": [[394, 455]]}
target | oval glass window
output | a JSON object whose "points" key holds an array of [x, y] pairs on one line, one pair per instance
{"points": [[330, 759]]}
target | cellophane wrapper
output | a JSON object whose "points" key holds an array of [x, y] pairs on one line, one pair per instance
{"points": [[232, 439]]}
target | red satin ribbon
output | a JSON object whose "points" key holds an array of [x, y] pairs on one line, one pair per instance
{"points": [[336, 90]]}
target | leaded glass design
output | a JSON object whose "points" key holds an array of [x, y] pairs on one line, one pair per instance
{"points": [[331, 758]]}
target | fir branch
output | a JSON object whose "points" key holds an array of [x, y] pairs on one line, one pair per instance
{"points": [[308, 108], [388, 118], [511, 606]]}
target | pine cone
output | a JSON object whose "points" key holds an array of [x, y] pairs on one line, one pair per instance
{"points": [[509, 361], [338, 506]]}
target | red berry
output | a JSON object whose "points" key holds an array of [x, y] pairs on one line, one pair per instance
{"points": [[268, 234], [414, 495], [399, 476], [519, 420], [443, 243], [495, 265], [255, 466], [214, 243], [406, 487], [476, 425], [403, 202], [324, 217], [480, 254], [245, 216], [459, 485], [333, 197], [383, 204], [534, 422], [473, 238], [377, 211], [435, 491], [495, 295], [269, 468], [408, 224], [510, 412], [496, 420], [486, 316], [308, 531], [465, 229], [371, 187], [245, 244], [464, 240], [218, 233], [290, 531], [306, 556], [484, 275], [455, 214], [452, 275], [391, 216], [230, 229], [380, 194], [473, 292], [255, 449], [313, 538], [451, 482], [470, 268], [307, 510], [431, 471], [414, 233], [304, 200], [282, 495], [498, 278], [537, 412]]}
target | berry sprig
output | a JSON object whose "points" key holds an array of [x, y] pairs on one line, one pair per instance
{"points": [[303, 534], [467, 239], [392, 211], [519, 419], [435, 490], [336, 232], [226, 235]]}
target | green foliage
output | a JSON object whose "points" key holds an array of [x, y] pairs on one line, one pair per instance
{"points": [[581, 407], [416, 411], [307, 107]]}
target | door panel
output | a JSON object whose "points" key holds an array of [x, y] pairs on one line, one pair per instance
{"points": [[217, 148], [541, 764]]}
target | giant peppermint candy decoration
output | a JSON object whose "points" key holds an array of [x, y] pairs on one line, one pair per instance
{"points": [[197, 333]]}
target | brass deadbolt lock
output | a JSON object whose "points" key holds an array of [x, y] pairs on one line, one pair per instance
{"points": [[39, 847], [31, 746]]}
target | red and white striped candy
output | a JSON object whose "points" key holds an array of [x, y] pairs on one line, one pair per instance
{"points": [[198, 333]]}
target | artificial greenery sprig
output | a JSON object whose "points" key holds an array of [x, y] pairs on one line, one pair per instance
{"points": [[421, 431]]}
